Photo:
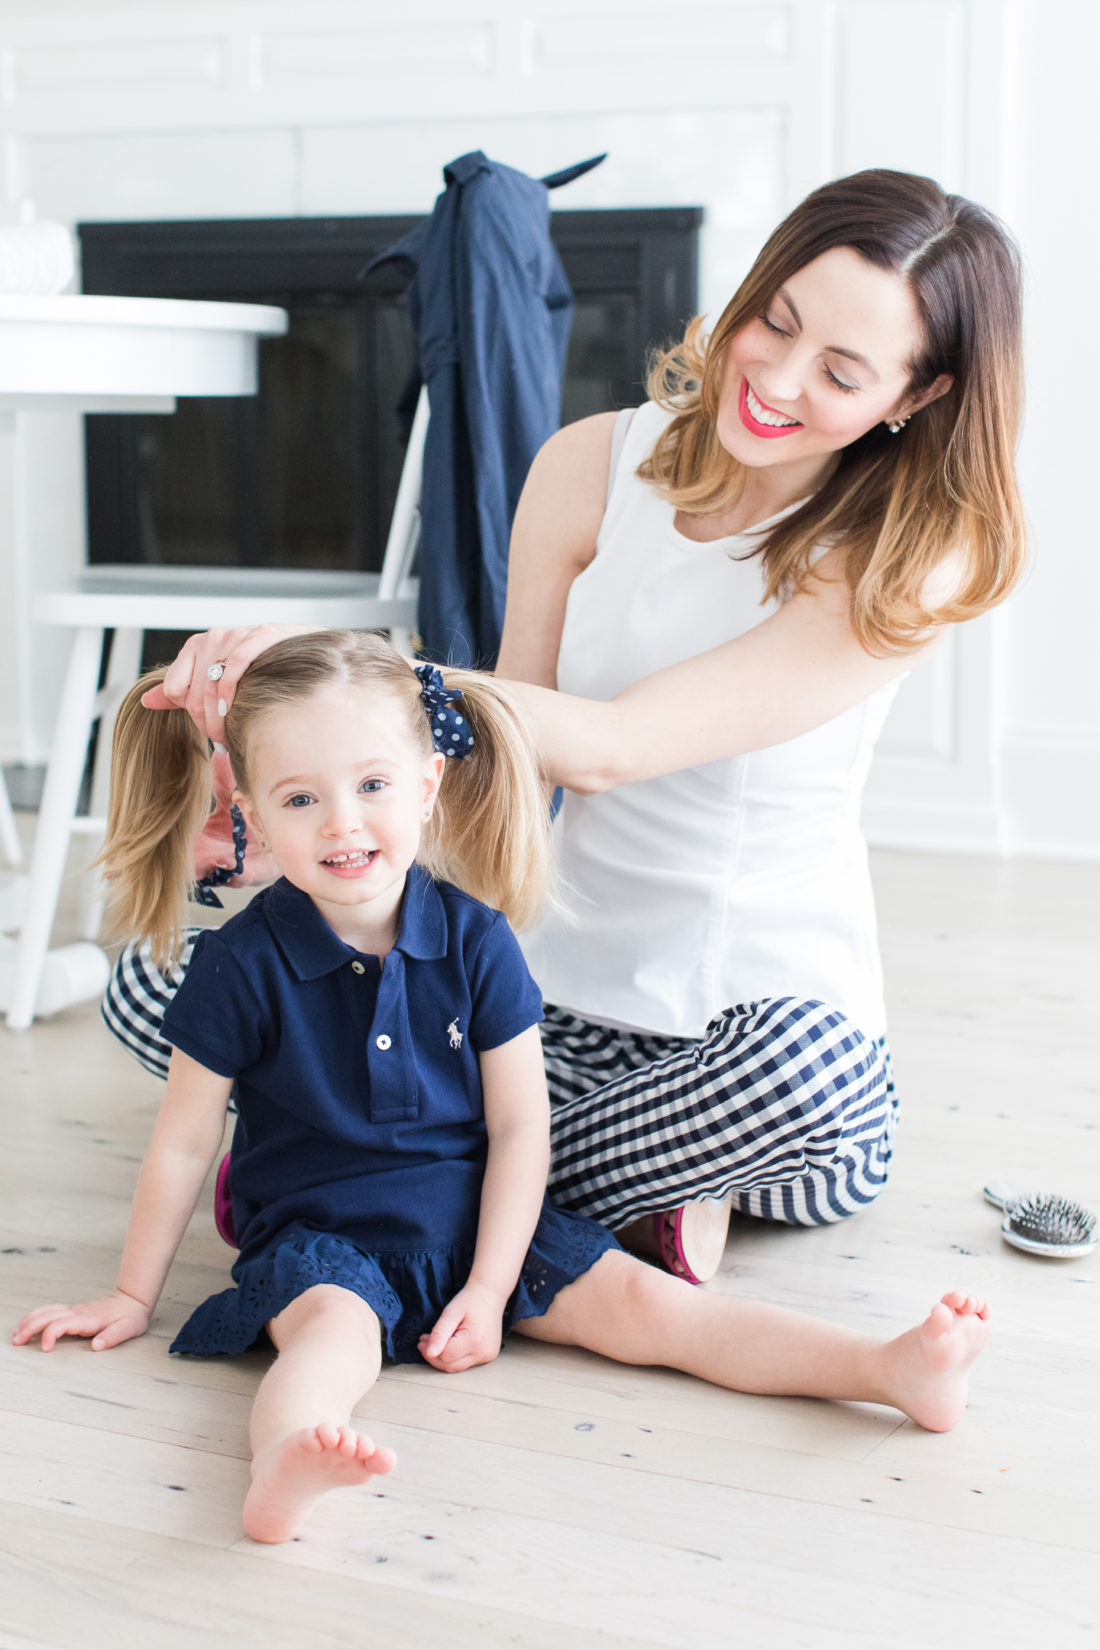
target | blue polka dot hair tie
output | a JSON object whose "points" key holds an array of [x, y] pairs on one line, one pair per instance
{"points": [[203, 891], [450, 731]]}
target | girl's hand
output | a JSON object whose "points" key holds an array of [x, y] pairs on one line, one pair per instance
{"points": [[468, 1332], [111, 1320], [187, 686]]}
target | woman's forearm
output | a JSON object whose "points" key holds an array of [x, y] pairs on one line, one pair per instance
{"points": [[791, 673], [575, 738]]}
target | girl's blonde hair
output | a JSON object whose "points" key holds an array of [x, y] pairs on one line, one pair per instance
{"points": [[899, 505], [489, 832]]}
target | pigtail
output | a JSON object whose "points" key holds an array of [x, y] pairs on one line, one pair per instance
{"points": [[490, 832], [160, 796]]}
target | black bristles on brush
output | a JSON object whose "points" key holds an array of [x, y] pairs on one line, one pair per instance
{"points": [[1045, 1224], [1054, 1220]]}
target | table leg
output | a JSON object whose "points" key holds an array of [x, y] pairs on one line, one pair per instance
{"points": [[55, 817], [9, 836]]}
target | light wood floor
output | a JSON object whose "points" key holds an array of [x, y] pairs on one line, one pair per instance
{"points": [[554, 1499]]}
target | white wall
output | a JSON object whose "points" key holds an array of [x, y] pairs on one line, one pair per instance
{"points": [[174, 109], [1051, 703]]}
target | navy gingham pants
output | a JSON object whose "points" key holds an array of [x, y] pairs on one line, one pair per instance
{"points": [[784, 1103]]}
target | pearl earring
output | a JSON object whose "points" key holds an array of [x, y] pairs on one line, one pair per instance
{"points": [[896, 425]]}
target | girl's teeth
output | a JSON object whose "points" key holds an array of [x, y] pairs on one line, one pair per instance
{"points": [[764, 416], [349, 859]]}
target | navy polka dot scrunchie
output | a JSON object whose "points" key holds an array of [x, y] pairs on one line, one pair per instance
{"points": [[450, 731], [203, 891]]}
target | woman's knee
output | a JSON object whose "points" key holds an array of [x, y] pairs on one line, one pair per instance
{"points": [[797, 1062]]}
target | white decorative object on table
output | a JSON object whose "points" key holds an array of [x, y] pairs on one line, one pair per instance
{"points": [[36, 257]]}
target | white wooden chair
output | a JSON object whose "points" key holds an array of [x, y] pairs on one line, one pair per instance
{"points": [[130, 600]]}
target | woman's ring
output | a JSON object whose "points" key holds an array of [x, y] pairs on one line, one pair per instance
{"points": [[216, 671]]}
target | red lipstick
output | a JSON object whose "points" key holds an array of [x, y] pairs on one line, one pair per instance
{"points": [[767, 432]]}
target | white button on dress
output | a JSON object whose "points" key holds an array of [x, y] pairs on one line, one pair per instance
{"points": [[382, 1042]]}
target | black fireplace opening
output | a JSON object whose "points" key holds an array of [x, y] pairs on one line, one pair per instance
{"points": [[305, 473]]}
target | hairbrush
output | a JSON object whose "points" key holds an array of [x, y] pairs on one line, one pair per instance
{"points": [[1043, 1223]]}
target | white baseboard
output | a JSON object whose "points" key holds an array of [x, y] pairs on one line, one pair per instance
{"points": [[1046, 803], [1050, 793], [940, 827]]}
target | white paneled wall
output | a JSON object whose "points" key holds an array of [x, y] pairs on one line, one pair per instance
{"points": [[176, 110]]}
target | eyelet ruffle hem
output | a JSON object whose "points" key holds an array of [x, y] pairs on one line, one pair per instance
{"points": [[407, 1292]]}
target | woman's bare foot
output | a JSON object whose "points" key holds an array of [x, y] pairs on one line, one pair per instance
{"points": [[289, 1477], [927, 1366]]}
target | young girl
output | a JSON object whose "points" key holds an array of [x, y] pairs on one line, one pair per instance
{"points": [[391, 1149]]}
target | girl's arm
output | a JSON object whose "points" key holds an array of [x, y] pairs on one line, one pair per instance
{"points": [[789, 674], [186, 1138], [517, 1118]]}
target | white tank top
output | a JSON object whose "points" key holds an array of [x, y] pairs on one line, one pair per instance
{"points": [[720, 884]]}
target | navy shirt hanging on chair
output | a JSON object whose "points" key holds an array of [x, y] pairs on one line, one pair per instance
{"points": [[492, 308]]}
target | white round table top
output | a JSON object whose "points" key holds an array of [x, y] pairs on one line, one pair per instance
{"points": [[107, 354], [92, 309]]}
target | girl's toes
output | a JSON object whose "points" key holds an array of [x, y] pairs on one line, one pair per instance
{"points": [[939, 1320], [956, 1300], [383, 1460], [327, 1436], [983, 1309]]}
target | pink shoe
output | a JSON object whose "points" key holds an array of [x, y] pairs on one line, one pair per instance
{"points": [[223, 1205], [691, 1240]]}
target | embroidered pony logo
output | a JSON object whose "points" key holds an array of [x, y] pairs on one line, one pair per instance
{"points": [[454, 1034]]}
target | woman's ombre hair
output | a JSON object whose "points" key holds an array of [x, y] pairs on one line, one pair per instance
{"points": [[899, 506]]}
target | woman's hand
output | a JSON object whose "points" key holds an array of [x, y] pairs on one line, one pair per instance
{"points": [[214, 848], [115, 1318], [468, 1332], [187, 685]]}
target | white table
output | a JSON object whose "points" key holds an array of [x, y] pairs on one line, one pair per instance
{"points": [[104, 354], [91, 354]]}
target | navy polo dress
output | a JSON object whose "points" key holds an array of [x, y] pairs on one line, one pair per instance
{"points": [[360, 1143]]}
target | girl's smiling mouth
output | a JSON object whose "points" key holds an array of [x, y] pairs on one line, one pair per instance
{"points": [[353, 864], [760, 419]]}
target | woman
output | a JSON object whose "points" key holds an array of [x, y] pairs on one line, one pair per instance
{"points": [[724, 604]]}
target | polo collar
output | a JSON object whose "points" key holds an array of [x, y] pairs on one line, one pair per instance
{"points": [[314, 949]]}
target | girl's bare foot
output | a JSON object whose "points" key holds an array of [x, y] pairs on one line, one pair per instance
{"points": [[289, 1477], [927, 1366]]}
